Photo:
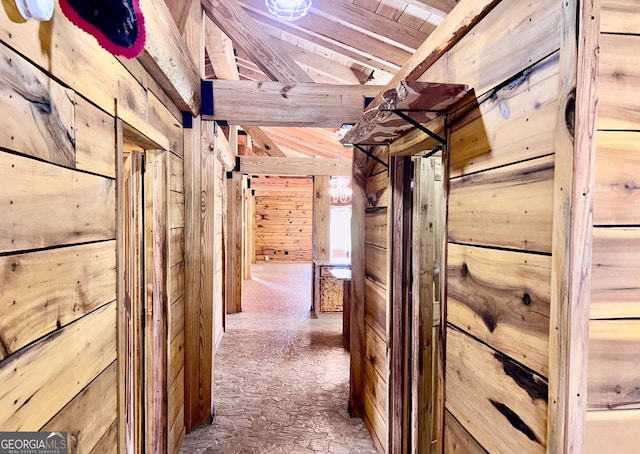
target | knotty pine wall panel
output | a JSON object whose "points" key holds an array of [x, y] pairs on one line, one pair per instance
{"points": [[91, 414], [376, 299], [508, 311], [614, 331], [503, 405], [500, 217], [39, 196], [283, 225], [48, 374], [508, 207], [58, 271], [95, 145], [457, 440], [72, 282]]}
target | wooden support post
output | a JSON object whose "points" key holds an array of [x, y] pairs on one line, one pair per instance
{"points": [[234, 243], [321, 218], [356, 341], [248, 229], [572, 226], [207, 270], [399, 379], [193, 227]]}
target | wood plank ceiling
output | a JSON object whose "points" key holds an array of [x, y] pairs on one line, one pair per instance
{"points": [[337, 42]]}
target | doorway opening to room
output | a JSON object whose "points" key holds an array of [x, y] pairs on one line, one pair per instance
{"points": [[142, 292]]}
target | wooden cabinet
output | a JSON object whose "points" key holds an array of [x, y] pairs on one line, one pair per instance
{"points": [[327, 289]]}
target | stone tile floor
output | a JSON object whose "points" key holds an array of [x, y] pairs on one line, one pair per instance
{"points": [[281, 378]]}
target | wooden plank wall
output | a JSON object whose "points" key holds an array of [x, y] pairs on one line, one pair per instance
{"points": [[283, 224], [500, 217], [613, 397], [58, 308], [376, 300]]}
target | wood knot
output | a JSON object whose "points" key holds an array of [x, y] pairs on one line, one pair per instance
{"points": [[570, 112], [464, 270], [526, 299]]}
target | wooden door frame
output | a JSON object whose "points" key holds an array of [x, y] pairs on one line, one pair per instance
{"points": [[129, 295], [142, 383], [424, 259], [156, 305], [400, 357], [416, 414]]}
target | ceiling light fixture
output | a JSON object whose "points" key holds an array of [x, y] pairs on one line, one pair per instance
{"points": [[40, 10], [288, 10]]}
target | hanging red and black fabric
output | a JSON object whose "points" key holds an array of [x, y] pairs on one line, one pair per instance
{"points": [[118, 25]]}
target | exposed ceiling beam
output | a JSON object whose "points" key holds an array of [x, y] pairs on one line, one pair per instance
{"points": [[321, 139], [258, 165], [224, 63], [220, 50], [362, 19], [259, 136], [340, 34], [345, 75], [449, 32], [244, 62], [315, 140], [248, 36], [180, 11], [323, 65], [366, 59], [439, 7], [253, 76], [167, 58], [280, 104]]}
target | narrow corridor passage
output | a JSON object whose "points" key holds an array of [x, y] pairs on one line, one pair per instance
{"points": [[281, 378]]}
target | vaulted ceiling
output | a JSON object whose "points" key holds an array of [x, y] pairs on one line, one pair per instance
{"points": [[342, 42]]}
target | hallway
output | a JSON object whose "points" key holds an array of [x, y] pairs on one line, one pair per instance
{"points": [[281, 378]]}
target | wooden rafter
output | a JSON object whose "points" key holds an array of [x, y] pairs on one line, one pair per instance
{"points": [[260, 136], [180, 11], [338, 72], [454, 26], [316, 141], [441, 7], [366, 59], [236, 23], [359, 18], [341, 35], [167, 59], [220, 50]]}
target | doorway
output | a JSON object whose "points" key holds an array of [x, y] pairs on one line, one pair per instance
{"points": [[417, 347], [427, 239], [142, 349]]}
